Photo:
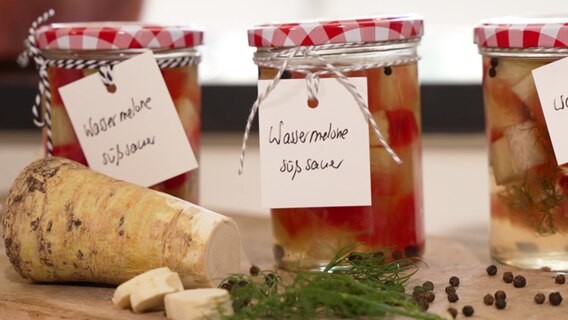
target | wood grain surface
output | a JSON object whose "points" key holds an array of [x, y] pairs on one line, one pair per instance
{"points": [[445, 257]]}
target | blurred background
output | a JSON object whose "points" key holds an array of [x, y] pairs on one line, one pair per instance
{"points": [[450, 69]]}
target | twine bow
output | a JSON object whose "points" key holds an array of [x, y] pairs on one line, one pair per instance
{"points": [[312, 85], [105, 69]]}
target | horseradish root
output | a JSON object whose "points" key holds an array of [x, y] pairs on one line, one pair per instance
{"points": [[65, 222]]}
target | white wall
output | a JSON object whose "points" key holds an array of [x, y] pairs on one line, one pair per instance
{"points": [[449, 55]]}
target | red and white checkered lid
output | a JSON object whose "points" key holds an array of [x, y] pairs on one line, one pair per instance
{"points": [[371, 29], [116, 35], [523, 32]]}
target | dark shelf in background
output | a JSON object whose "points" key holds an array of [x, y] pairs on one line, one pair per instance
{"points": [[445, 108]]}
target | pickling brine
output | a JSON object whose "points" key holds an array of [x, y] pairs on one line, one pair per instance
{"points": [[529, 190]]}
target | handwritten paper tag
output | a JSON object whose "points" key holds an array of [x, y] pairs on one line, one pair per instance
{"points": [[550, 81], [313, 157], [135, 133]]}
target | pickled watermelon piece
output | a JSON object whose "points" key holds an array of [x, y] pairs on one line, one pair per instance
{"points": [[88, 72], [527, 93], [190, 117], [563, 180], [176, 80], [397, 221], [176, 181], [59, 77], [290, 222], [503, 164], [389, 177], [399, 89], [519, 150], [71, 151], [62, 131], [408, 221], [349, 219], [403, 129], [513, 70], [503, 107], [383, 123], [183, 186], [495, 134]]}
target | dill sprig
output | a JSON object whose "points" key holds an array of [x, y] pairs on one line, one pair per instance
{"points": [[537, 197], [352, 285]]}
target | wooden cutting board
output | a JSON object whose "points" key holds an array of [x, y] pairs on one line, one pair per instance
{"points": [[465, 258]]}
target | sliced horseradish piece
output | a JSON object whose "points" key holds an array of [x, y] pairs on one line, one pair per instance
{"points": [[149, 295], [194, 304], [122, 293]]}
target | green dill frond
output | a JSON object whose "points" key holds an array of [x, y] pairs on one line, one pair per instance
{"points": [[353, 285]]}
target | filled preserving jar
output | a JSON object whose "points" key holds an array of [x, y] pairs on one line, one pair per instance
{"points": [[382, 50], [528, 189], [72, 49]]}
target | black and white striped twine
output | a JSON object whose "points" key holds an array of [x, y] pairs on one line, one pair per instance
{"points": [[105, 68]]}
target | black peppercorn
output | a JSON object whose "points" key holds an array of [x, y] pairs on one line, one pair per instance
{"points": [[488, 299], [226, 286], [539, 298], [454, 281], [430, 296], [492, 72], [354, 257], [254, 270], [453, 312], [453, 297], [243, 283], [422, 304], [555, 298], [418, 295], [467, 311], [428, 286], [519, 282], [418, 289], [508, 277], [286, 75], [500, 304], [491, 270], [396, 255], [412, 251], [450, 289], [500, 295], [378, 255], [278, 251], [388, 71], [494, 62], [560, 279]]}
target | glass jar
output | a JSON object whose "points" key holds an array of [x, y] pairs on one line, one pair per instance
{"points": [[529, 191], [307, 238], [114, 42]]}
